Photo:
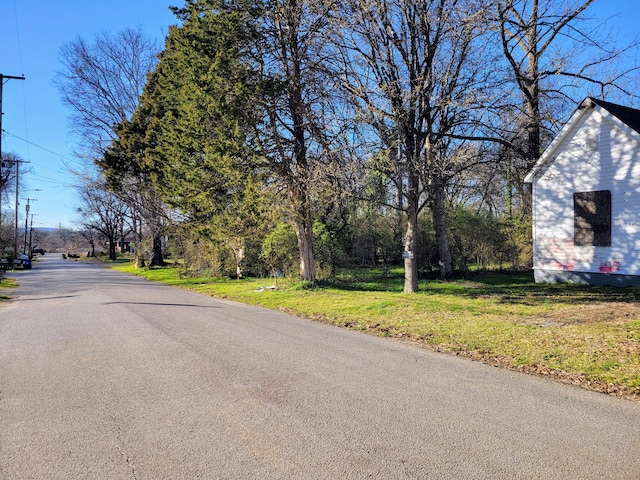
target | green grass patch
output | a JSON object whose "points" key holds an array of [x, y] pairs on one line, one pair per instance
{"points": [[582, 335], [6, 283]]}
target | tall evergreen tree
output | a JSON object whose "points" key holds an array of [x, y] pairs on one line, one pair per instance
{"points": [[188, 138]]}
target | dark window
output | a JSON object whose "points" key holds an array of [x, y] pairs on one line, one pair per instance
{"points": [[592, 218]]}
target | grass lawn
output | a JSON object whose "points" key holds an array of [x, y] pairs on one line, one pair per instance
{"points": [[588, 336], [4, 284]]}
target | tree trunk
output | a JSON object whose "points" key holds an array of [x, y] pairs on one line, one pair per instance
{"points": [[410, 243], [299, 185], [304, 232], [439, 214], [532, 100], [137, 228], [157, 258], [122, 237], [307, 262], [112, 246], [237, 248]]}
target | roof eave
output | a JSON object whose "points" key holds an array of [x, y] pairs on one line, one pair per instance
{"points": [[587, 105]]}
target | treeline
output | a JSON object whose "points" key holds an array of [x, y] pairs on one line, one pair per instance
{"points": [[297, 136]]}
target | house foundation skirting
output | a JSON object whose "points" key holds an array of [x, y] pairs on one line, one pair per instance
{"points": [[585, 278]]}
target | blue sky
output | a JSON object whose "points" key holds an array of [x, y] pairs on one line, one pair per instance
{"points": [[36, 123]]}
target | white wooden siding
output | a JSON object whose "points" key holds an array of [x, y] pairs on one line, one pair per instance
{"points": [[597, 154]]}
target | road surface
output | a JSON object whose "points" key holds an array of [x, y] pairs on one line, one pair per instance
{"points": [[108, 376]]}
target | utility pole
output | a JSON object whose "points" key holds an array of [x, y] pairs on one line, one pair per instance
{"points": [[26, 224], [2, 82], [31, 233], [15, 238]]}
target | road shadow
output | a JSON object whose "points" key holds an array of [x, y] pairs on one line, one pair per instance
{"points": [[161, 304]]}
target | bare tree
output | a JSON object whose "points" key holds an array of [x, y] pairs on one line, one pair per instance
{"points": [[7, 186], [103, 212], [408, 65], [102, 81], [553, 55]]}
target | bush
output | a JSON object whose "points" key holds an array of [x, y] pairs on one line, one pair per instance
{"points": [[477, 237], [518, 246], [280, 249]]}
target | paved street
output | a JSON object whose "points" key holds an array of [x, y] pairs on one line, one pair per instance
{"points": [[108, 376]]}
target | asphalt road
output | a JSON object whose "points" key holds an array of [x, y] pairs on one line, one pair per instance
{"points": [[108, 376]]}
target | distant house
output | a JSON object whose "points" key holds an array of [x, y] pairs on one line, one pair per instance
{"points": [[125, 246], [586, 199]]}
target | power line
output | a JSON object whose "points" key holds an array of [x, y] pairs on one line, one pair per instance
{"points": [[57, 183], [43, 148], [19, 43]]}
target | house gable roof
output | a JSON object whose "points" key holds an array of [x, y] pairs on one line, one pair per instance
{"points": [[626, 117], [629, 116]]}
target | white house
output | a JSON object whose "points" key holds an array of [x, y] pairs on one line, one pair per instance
{"points": [[586, 199]]}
